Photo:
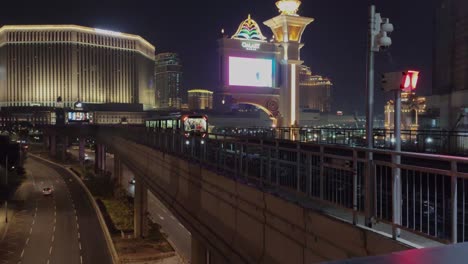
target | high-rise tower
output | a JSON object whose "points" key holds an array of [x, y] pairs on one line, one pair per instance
{"points": [[168, 75]]}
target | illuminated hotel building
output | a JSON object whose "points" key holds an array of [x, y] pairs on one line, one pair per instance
{"points": [[200, 99], [315, 91], [39, 63], [262, 71], [412, 107], [168, 72]]}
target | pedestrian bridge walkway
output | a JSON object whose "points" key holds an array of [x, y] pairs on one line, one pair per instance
{"points": [[260, 201]]}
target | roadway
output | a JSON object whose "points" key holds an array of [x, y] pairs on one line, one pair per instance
{"points": [[177, 234], [60, 228]]}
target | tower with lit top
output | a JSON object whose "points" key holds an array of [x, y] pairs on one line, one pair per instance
{"points": [[287, 29]]}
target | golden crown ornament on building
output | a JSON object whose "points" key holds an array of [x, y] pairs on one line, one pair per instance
{"points": [[288, 7]]}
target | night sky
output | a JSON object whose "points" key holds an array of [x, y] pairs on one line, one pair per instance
{"points": [[335, 42]]}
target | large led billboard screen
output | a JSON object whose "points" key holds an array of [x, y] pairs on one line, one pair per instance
{"points": [[250, 72]]}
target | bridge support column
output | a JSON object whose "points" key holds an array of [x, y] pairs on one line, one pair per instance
{"points": [[46, 142], [117, 169], [140, 206], [103, 158], [100, 158], [63, 149], [96, 158], [199, 252], [81, 151], [53, 146]]}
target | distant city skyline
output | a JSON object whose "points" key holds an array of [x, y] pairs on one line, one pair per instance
{"points": [[335, 42]]}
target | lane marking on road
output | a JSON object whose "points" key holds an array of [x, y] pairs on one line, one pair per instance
{"points": [[181, 225], [34, 221], [78, 235], [30, 230], [27, 241], [79, 244], [81, 259], [162, 218], [48, 261], [173, 218], [50, 250], [22, 253]]}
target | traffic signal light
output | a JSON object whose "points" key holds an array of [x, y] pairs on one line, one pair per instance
{"points": [[409, 81], [406, 81]]}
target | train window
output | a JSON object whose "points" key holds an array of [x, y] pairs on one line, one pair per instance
{"points": [[195, 124]]}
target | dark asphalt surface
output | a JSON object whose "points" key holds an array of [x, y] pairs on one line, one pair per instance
{"points": [[61, 228]]}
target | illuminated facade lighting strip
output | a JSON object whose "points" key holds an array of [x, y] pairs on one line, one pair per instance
{"points": [[76, 28], [293, 94], [77, 42]]}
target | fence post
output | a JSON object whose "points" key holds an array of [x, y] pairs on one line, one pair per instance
{"points": [[355, 188], [298, 167], [322, 172], [262, 151], [370, 190], [246, 173], [277, 167], [454, 201], [309, 175], [241, 165], [269, 165]]}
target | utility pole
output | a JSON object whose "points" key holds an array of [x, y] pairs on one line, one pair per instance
{"points": [[397, 161], [378, 39]]}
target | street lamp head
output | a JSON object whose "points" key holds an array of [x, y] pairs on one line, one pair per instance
{"points": [[288, 7]]}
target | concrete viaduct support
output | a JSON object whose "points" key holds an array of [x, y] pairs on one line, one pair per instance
{"points": [[81, 150], [117, 169], [53, 146], [100, 158], [140, 206]]}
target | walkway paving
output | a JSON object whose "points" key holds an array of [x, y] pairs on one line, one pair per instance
{"points": [[413, 239]]}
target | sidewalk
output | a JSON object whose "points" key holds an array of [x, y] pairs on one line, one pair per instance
{"points": [[3, 225]]}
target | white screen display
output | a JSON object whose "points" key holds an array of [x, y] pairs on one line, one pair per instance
{"points": [[250, 72]]}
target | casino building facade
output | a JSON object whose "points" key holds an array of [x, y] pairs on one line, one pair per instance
{"points": [[40, 63]]}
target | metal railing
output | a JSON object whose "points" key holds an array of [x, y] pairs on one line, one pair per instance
{"points": [[434, 188], [425, 141]]}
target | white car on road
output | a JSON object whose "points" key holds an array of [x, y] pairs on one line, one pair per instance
{"points": [[47, 191]]}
